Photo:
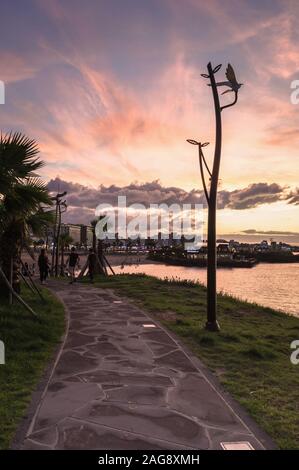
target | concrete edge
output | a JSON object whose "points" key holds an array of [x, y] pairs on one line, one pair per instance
{"points": [[39, 392]]}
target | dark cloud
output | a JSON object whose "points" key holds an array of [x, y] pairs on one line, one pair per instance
{"points": [[293, 197], [58, 185], [144, 193], [256, 236], [269, 232], [83, 200], [254, 195]]}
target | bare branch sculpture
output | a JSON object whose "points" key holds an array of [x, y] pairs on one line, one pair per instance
{"points": [[202, 160], [233, 87]]}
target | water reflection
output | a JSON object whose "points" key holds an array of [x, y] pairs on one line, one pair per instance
{"points": [[272, 285]]}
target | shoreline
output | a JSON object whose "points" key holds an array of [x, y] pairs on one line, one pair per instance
{"points": [[261, 285]]}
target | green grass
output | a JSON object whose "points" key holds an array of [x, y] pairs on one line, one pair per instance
{"points": [[29, 345], [250, 355]]}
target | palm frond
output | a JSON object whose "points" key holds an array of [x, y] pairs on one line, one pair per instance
{"points": [[18, 159], [32, 192], [39, 221]]}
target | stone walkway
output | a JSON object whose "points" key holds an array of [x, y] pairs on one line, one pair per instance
{"points": [[120, 383]]}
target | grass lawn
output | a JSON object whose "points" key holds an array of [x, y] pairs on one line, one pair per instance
{"points": [[250, 355], [29, 345]]}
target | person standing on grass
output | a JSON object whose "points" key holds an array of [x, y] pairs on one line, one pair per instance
{"points": [[91, 263], [73, 261], [43, 265]]}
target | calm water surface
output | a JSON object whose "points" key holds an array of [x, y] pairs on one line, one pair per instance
{"points": [[272, 285]]}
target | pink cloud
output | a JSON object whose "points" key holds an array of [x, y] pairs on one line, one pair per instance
{"points": [[15, 68]]}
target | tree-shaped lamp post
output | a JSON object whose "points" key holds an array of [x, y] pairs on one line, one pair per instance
{"points": [[211, 193], [55, 250]]}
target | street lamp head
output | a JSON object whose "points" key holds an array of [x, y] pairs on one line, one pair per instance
{"points": [[193, 142], [58, 196], [199, 144]]}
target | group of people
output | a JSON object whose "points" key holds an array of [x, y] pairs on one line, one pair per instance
{"points": [[72, 263]]}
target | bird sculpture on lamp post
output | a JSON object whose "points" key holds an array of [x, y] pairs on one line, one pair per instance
{"points": [[211, 192], [231, 82]]}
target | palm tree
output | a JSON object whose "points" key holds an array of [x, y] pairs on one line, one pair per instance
{"points": [[23, 201]]}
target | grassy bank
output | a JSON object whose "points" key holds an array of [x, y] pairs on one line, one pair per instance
{"points": [[250, 355], [29, 345]]}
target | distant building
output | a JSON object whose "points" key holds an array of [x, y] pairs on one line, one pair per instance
{"points": [[86, 235], [76, 231]]}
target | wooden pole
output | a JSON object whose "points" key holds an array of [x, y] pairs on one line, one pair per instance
{"points": [[27, 283], [11, 281], [32, 281], [108, 264], [14, 294], [82, 272]]}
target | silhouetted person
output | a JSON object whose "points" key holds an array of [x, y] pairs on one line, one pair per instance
{"points": [[91, 262], [43, 265], [73, 261]]}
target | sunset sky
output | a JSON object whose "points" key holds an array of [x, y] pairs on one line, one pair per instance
{"points": [[112, 89]]}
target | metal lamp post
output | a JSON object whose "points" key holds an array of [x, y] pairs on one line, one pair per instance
{"points": [[61, 208], [55, 251], [211, 194]]}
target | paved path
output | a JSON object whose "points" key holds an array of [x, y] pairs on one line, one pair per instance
{"points": [[120, 384]]}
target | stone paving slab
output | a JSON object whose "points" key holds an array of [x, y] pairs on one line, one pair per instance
{"points": [[119, 385]]}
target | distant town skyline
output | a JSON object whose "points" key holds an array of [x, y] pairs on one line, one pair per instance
{"points": [[83, 200], [112, 90]]}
